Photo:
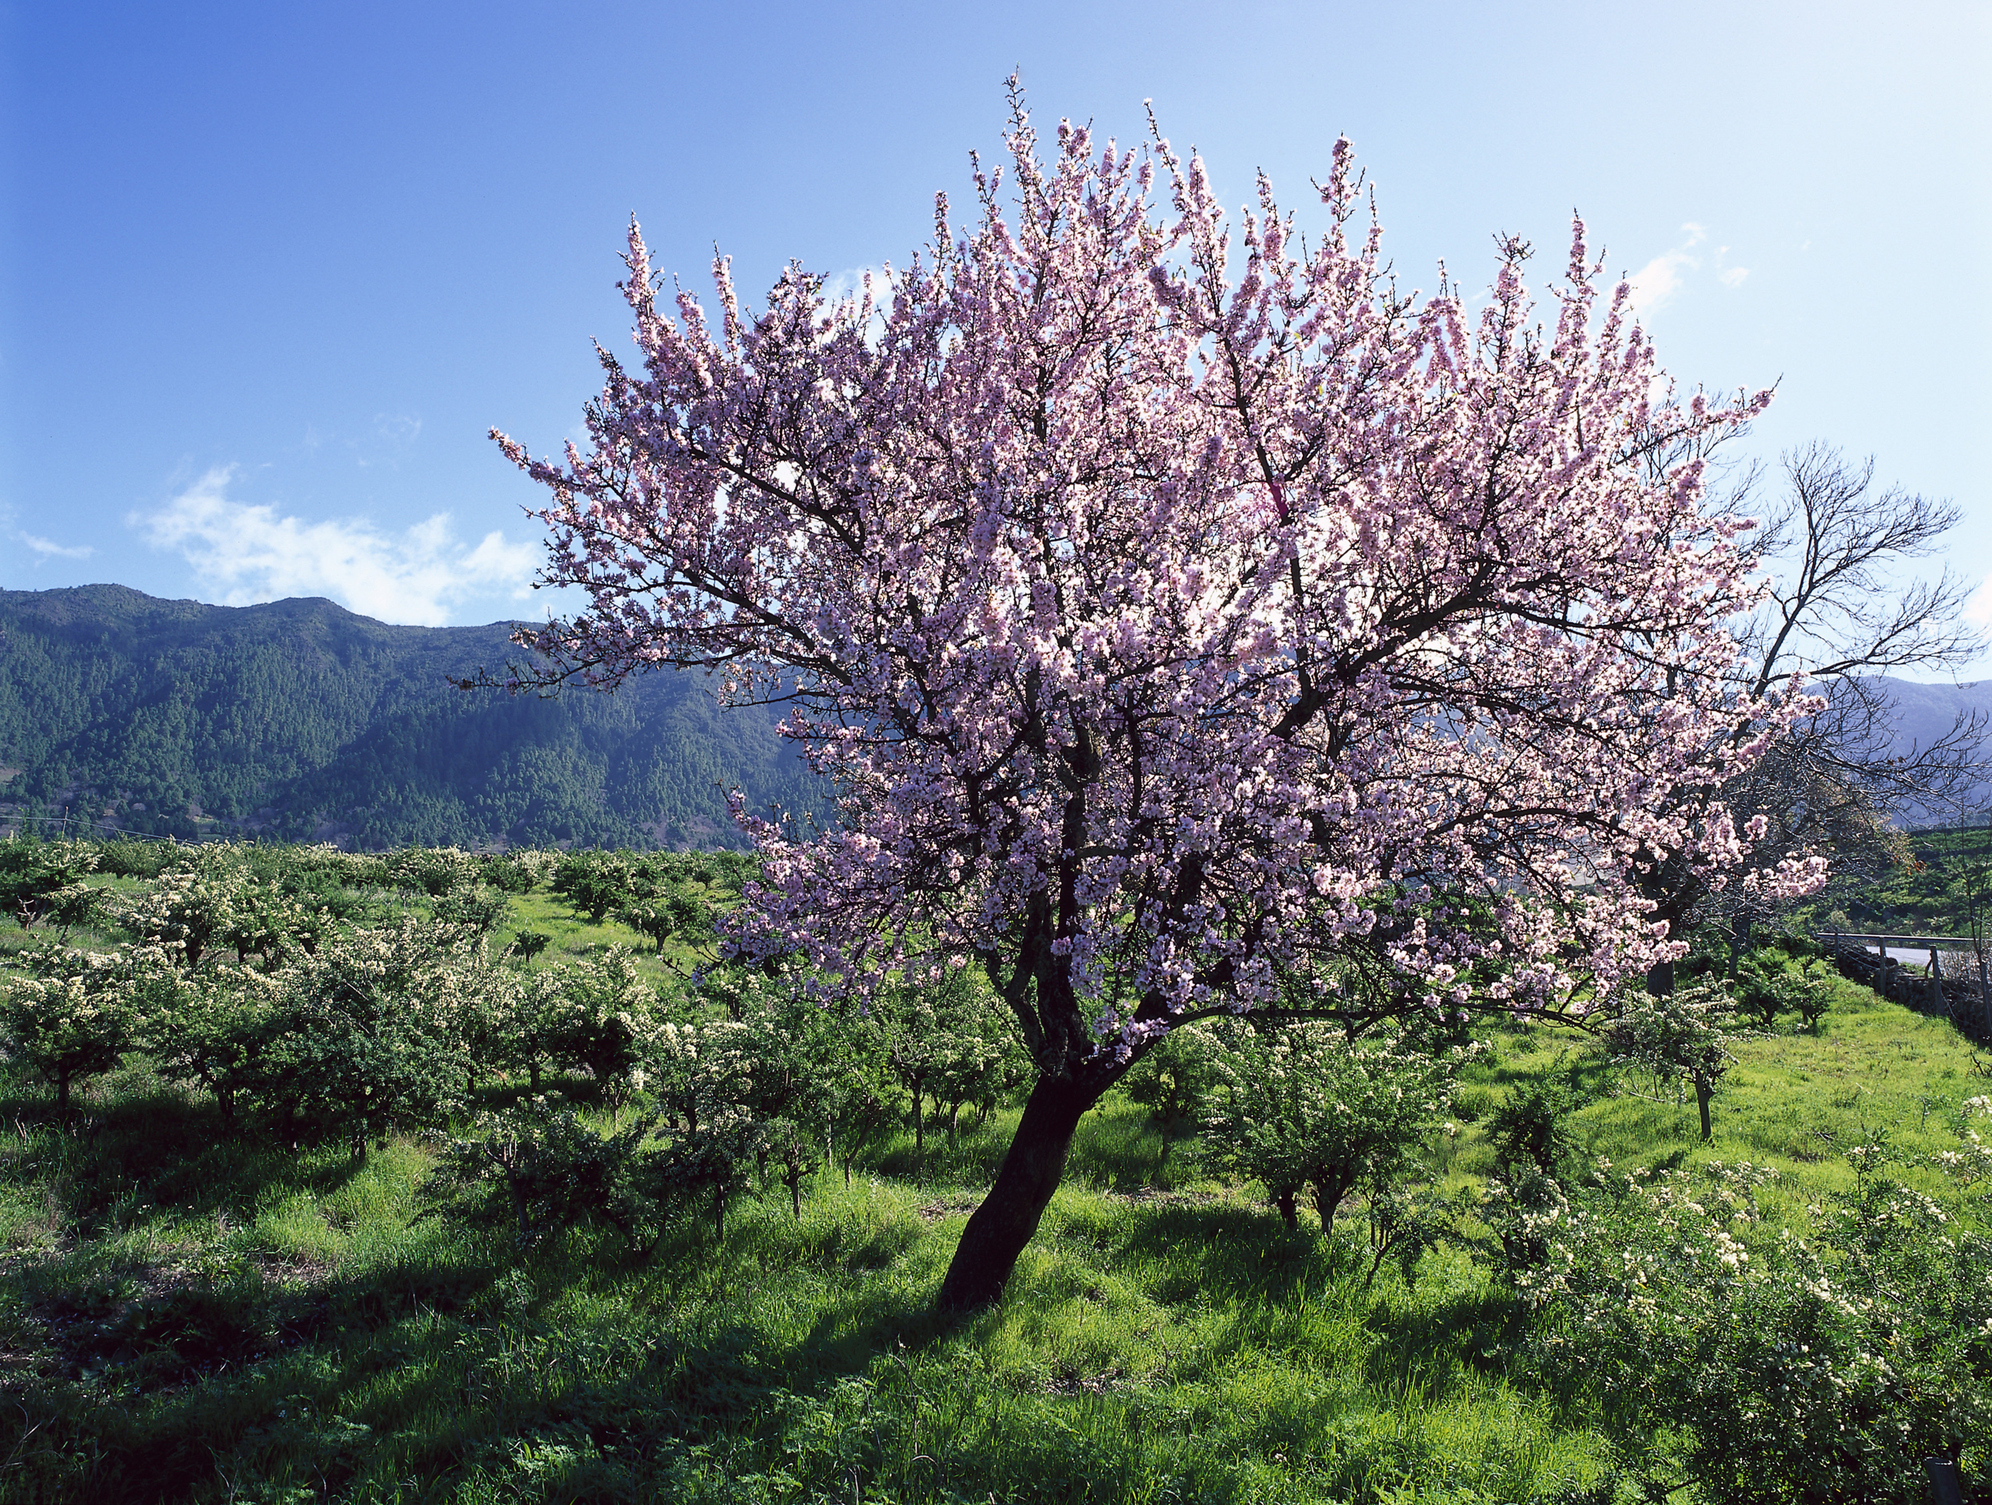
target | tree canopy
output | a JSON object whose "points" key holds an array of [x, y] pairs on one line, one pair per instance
{"points": [[1189, 620]]}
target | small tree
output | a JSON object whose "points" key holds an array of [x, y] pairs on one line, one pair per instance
{"points": [[212, 899], [475, 908], [368, 1037], [214, 1033], [1174, 1081], [593, 882], [1175, 614], [556, 1171], [78, 1012], [600, 1019], [37, 878], [1682, 1036], [1304, 1106], [947, 1037]]}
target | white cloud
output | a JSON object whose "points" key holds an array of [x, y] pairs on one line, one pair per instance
{"points": [[1662, 277], [246, 554], [48, 548], [1978, 606], [1657, 281], [850, 283]]}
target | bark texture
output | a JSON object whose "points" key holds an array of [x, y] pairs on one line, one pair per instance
{"points": [[1008, 1217]]}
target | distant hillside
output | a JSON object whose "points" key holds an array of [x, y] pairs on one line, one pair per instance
{"points": [[1925, 712], [300, 720]]}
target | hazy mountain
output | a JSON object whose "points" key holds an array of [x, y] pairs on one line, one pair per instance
{"points": [[1924, 712], [302, 720]]}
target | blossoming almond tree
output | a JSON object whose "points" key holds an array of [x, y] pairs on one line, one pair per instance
{"points": [[1187, 620]]}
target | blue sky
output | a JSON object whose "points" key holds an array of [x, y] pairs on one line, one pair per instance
{"points": [[269, 272]]}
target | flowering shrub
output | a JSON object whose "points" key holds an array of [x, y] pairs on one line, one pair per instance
{"points": [[1683, 1036], [78, 1012], [214, 1034], [949, 1038], [38, 877], [473, 907], [369, 1035], [213, 899], [1784, 1366], [598, 1016], [1303, 1106]]}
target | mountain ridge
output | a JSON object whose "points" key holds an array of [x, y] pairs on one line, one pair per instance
{"points": [[299, 719]]}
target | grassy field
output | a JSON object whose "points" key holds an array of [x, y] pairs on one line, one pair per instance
{"points": [[185, 1317]]}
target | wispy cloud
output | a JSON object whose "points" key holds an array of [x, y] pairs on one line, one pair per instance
{"points": [[851, 283], [48, 548], [1660, 279], [245, 553], [1978, 605]]}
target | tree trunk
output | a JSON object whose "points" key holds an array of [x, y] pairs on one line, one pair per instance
{"points": [[1703, 1092], [1289, 1207], [1008, 1217]]}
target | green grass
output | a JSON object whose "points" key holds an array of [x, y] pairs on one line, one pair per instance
{"points": [[1794, 1101], [188, 1316]]}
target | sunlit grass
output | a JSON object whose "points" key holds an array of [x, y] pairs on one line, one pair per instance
{"points": [[187, 1315]]}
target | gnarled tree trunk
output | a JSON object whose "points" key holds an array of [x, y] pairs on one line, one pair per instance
{"points": [[999, 1229]]}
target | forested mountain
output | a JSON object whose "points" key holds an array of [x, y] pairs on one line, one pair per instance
{"points": [[300, 720]]}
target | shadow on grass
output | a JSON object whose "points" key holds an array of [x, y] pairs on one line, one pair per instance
{"points": [[437, 1359]]}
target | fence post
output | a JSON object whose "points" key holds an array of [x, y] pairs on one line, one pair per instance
{"points": [[1946, 1484], [1984, 991]]}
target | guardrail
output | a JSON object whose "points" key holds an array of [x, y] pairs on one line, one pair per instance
{"points": [[1965, 1000]]}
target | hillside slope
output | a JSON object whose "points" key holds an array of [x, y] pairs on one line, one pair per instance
{"points": [[302, 720]]}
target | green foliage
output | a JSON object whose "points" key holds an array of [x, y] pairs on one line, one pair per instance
{"points": [[527, 944], [215, 1035], [555, 1171], [598, 1016], [471, 907], [948, 1037], [1770, 983], [182, 719], [1763, 1366], [77, 1012], [1685, 1035], [1302, 1106], [38, 878], [1531, 1126], [370, 1036], [1175, 1079]]}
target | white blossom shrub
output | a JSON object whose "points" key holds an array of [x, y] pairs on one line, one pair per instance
{"points": [[369, 1036], [597, 1016], [1813, 1365], [77, 1012], [43, 878], [950, 1039], [1302, 1107], [1679, 1037], [213, 1033]]}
